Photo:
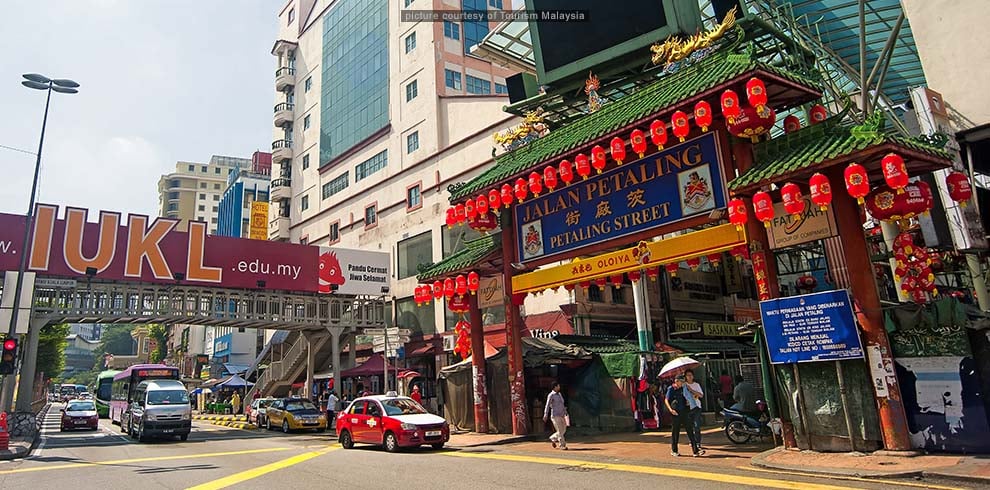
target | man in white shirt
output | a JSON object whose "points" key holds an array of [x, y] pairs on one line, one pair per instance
{"points": [[693, 393], [556, 412], [331, 408]]}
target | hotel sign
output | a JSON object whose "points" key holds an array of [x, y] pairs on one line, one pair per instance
{"points": [[679, 182], [259, 221]]}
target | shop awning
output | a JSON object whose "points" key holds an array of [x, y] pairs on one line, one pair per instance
{"points": [[375, 365], [234, 381], [475, 251], [234, 368], [711, 346], [543, 323]]}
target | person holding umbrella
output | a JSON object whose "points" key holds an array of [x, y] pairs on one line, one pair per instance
{"points": [[677, 405]]}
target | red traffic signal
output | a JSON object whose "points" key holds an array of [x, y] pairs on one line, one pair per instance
{"points": [[9, 345], [8, 356]]}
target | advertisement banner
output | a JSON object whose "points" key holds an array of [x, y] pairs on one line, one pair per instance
{"points": [[258, 229], [814, 224], [810, 328], [144, 249], [490, 292], [679, 182], [353, 272]]}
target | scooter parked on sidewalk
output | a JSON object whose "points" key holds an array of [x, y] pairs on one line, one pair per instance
{"points": [[741, 427]]}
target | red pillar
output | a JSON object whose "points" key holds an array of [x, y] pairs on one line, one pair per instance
{"points": [[513, 326], [478, 367], [893, 421]]}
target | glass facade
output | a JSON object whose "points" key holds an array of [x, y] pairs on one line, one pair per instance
{"points": [[477, 85], [475, 30], [412, 252], [354, 87]]}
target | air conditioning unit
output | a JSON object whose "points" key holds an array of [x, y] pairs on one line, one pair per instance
{"points": [[449, 342]]}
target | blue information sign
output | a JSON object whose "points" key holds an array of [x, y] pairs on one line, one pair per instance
{"points": [[682, 181], [811, 327]]}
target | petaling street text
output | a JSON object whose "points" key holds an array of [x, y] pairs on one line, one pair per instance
{"points": [[646, 215]]}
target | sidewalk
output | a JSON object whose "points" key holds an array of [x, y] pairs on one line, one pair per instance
{"points": [[17, 448], [956, 467]]}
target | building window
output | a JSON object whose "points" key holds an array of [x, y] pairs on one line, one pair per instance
{"points": [[216, 197], [304, 203], [455, 237], [203, 169], [308, 84], [477, 85], [410, 42], [202, 185], [173, 195], [202, 196], [292, 15], [202, 207], [213, 220], [335, 231], [501, 88], [452, 79], [370, 166], [495, 4], [412, 142], [304, 240], [306, 122], [420, 319], [173, 206], [475, 30], [595, 294], [618, 296], [215, 209], [336, 185], [216, 186], [192, 168], [414, 197], [451, 30], [371, 216], [412, 90], [414, 251], [305, 162], [408, 3], [216, 170]]}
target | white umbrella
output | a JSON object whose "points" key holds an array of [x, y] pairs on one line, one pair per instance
{"points": [[678, 366]]}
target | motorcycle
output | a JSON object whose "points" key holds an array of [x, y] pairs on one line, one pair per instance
{"points": [[741, 427]]}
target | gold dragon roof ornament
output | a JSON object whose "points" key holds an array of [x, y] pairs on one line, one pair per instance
{"points": [[531, 128], [591, 86], [674, 49]]}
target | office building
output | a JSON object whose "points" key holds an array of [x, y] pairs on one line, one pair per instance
{"points": [[193, 191]]}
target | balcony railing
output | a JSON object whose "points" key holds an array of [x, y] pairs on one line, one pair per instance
{"points": [[282, 182], [285, 71], [281, 144], [284, 106]]}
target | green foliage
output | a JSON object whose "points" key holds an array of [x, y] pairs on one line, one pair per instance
{"points": [[51, 349], [87, 378], [157, 333], [116, 340]]}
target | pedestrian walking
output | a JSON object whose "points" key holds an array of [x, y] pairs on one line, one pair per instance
{"points": [[235, 403], [556, 412], [331, 408], [693, 393], [677, 406]]}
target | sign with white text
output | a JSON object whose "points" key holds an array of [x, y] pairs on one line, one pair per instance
{"points": [[810, 328], [353, 272]]}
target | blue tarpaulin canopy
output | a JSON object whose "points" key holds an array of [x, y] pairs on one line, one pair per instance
{"points": [[234, 381]]}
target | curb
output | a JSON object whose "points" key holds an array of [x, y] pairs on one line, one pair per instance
{"points": [[961, 478], [16, 452], [760, 461], [499, 442]]}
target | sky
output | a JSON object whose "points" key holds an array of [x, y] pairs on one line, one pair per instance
{"points": [[161, 81]]}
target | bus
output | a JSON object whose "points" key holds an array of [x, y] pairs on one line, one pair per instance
{"points": [[104, 386], [124, 383]]}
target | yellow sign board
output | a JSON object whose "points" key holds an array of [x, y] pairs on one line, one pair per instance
{"points": [[259, 221], [645, 254]]}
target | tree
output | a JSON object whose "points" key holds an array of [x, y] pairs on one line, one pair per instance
{"points": [[116, 340], [51, 349], [157, 333], [87, 378]]}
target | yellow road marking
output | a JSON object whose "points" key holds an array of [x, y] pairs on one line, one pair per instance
{"points": [[650, 470], [260, 471], [142, 460], [852, 478]]}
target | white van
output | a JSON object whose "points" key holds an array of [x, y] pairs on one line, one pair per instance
{"points": [[160, 408]]}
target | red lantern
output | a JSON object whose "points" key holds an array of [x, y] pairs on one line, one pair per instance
{"points": [[473, 282], [618, 149], [569, 287], [888, 205], [600, 282], [506, 195], [763, 207], [449, 287], [550, 177], [583, 167], [817, 114], [752, 123], [756, 93], [418, 295], [821, 191], [926, 191], [566, 172], [960, 189], [658, 133], [730, 106], [790, 193], [494, 199], [693, 263], [598, 158], [617, 281], [806, 282], [484, 222], [703, 115], [714, 259], [739, 252], [679, 125], [791, 124], [638, 141], [737, 213], [857, 183], [437, 289], [469, 210], [460, 285], [653, 273], [894, 172], [634, 276], [481, 204], [672, 268], [451, 217], [520, 189], [585, 285], [460, 213], [535, 184], [458, 304]]}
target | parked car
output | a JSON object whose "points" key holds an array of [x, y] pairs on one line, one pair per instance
{"points": [[294, 414], [390, 421], [255, 412], [80, 414]]}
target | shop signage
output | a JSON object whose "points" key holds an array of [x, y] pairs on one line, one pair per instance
{"points": [[682, 327], [760, 275], [490, 293], [140, 248], [721, 329], [221, 345], [682, 181], [259, 221], [544, 334], [744, 314], [814, 224], [353, 272], [811, 327], [646, 254], [696, 291]]}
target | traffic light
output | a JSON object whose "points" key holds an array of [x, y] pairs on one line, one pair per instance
{"points": [[8, 356]]}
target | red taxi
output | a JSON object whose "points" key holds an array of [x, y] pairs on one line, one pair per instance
{"points": [[390, 421]]}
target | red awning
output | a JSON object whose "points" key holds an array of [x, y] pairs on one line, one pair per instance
{"points": [[533, 325], [375, 365]]}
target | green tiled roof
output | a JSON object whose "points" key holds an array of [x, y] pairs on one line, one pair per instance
{"points": [[666, 92], [821, 142], [473, 252], [598, 345]]}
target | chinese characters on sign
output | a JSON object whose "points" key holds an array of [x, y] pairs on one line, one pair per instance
{"points": [[679, 182], [810, 328]]}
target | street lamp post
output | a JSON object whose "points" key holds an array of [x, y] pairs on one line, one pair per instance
{"points": [[64, 86]]}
